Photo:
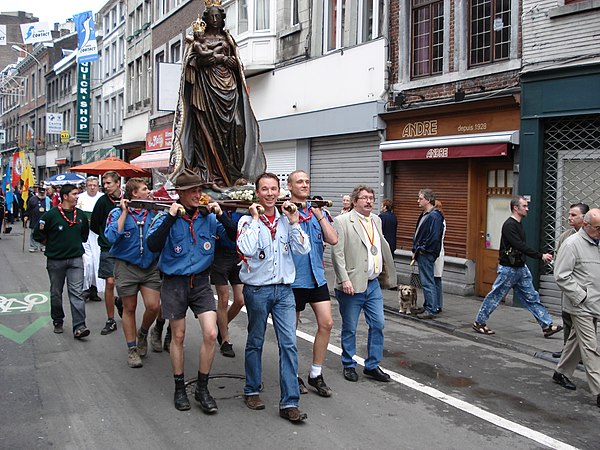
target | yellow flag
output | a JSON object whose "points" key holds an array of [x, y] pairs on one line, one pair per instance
{"points": [[28, 181]]}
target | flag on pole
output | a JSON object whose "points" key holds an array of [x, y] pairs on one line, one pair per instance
{"points": [[17, 168], [86, 37], [28, 181], [7, 187]]}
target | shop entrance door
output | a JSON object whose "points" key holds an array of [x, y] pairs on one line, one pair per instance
{"points": [[496, 188]]}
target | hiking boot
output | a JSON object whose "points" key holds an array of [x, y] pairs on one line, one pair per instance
{"points": [[110, 326], [202, 396], [167, 341], [319, 384], [142, 343], [302, 386], [133, 358], [254, 402], [119, 305], [156, 340], [58, 328], [293, 414], [227, 350], [181, 400]]}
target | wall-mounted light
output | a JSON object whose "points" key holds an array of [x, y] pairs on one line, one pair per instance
{"points": [[459, 95]]}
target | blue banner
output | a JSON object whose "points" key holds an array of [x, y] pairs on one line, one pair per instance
{"points": [[7, 187], [86, 37]]}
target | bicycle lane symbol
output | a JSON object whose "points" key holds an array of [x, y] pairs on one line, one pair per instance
{"points": [[12, 308]]}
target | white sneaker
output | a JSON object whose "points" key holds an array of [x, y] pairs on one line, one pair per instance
{"points": [[31, 250]]}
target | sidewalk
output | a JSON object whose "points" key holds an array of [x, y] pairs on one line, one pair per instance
{"points": [[516, 329]]}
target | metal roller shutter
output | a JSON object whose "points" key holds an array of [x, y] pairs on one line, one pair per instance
{"points": [[281, 159], [338, 164], [449, 181]]}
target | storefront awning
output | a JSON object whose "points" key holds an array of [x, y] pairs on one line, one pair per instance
{"points": [[152, 160], [442, 147]]}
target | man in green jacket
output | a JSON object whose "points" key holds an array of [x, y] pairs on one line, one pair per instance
{"points": [[63, 230]]}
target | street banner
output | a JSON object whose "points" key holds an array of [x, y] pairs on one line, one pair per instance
{"points": [[35, 32], [82, 131], [86, 37], [2, 136], [17, 168], [54, 123], [2, 34], [28, 181], [7, 187]]}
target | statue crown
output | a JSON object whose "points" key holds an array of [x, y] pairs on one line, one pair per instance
{"points": [[209, 3], [198, 25]]}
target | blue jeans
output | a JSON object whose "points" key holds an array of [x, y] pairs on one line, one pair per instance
{"points": [[72, 270], [371, 302], [278, 300], [519, 279], [426, 262], [440, 293]]}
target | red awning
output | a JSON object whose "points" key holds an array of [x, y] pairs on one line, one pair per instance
{"points": [[152, 160], [457, 151]]}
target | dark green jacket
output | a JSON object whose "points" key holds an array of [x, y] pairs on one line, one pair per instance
{"points": [[61, 240], [102, 209]]}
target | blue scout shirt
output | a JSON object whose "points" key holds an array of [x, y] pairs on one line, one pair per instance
{"points": [[310, 267], [268, 261], [126, 244], [184, 252]]}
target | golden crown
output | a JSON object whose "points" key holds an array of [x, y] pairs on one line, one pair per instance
{"points": [[209, 3], [198, 25]]}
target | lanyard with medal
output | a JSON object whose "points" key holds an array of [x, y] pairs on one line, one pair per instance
{"points": [[371, 237], [140, 224], [272, 228], [62, 213]]}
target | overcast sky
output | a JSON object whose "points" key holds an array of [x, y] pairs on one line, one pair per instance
{"points": [[52, 10]]}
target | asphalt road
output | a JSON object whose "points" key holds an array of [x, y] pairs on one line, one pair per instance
{"points": [[446, 392]]}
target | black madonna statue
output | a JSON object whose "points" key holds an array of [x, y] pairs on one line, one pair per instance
{"points": [[215, 131]]}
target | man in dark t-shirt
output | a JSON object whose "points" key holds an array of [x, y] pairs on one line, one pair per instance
{"points": [[514, 274]]}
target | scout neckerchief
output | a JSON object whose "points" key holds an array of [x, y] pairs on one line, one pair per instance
{"points": [[309, 213], [191, 222], [62, 213], [140, 224], [271, 226], [114, 199]]}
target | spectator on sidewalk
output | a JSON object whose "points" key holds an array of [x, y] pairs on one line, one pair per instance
{"points": [[577, 273], [346, 204], [62, 230], [427, 244], [438, 266], [36, 208], [514, 274], [310, 284], [362, 258], [389, 223], [576, 213]]}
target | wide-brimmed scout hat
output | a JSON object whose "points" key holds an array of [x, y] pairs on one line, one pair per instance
{"points": [[187, 180]]}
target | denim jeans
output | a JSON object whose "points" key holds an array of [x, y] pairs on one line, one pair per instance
{"points": [[519, 279], [439, 292], [277, 300], [33, 243], [371, 302], [426, 262], [72, 270]]}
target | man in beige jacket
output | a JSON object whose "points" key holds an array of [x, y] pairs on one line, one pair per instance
{"points": [[577, 273], [361, 259]]}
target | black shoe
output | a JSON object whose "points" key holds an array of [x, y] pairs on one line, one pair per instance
{"points": [[207, 402], [110, 326], [181, 400], [350, 374], [319, 384], [377, 374], [227, 350], [119, 305], [302, 386], [82, 332], [219, 338], [559, 378], [557, 354], [58, 328], [86, 295]]}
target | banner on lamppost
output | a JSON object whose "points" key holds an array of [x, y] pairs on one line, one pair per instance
{"points": [[82, 132], [54, 123], [35, 32], [86, 37]]}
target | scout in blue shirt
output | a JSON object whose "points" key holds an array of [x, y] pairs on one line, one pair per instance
{"points": [[310, 285], [187, 244], [267, 242], [135, 267]]}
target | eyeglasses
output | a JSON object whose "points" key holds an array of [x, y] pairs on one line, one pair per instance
{"points": [[367, 199]]}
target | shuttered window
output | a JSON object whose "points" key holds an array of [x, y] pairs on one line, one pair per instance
{"points": [[449, 181]]}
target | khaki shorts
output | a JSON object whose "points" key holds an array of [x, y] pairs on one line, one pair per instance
{"points": [[130, 277]]}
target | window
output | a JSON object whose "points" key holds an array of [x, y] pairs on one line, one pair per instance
{"points": [[113, 57], [131, 87], [120, 106], [489, 31], [351, 22], [427, 37], [113, 107], [176, 52], [242, 16], [147, 77], [107, 61], [107, 126], [121, 57], [295, 19], [139, 82], [261, 15], [33, 86]]}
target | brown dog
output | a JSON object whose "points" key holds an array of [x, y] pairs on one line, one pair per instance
{"points": [[407, 297]]}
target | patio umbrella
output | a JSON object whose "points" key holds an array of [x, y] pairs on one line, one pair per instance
{"points": [[111, 163], [65, 178]]}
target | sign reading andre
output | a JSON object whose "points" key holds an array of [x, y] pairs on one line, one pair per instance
{"points": [[17, 312]]}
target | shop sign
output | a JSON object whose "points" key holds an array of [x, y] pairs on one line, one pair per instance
{"points": [[64, 136], [83, 102], [159, 140]]}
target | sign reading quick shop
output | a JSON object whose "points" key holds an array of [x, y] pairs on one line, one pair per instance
{"points": [[82, 132]]}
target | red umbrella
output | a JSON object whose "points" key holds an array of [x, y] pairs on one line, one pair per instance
{"points": [[111, 163]]}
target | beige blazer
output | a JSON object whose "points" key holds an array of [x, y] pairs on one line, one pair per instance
{"points": [[350, 255]]}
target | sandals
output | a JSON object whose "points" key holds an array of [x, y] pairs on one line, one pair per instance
{"points": [[481, 328], [552, 329]]}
